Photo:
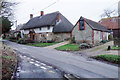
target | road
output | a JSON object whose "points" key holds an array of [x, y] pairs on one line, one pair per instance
{"points": [[29, 67], [70, 63]]}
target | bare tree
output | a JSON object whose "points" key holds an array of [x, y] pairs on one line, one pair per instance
{"points": [[6, 8], [109, 13]]}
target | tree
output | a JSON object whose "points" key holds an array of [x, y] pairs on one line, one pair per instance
{"points": [[109, 13], [6, 8], [6, 25]]}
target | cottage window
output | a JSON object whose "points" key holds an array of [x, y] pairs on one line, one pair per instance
{"points": [[48, 27], [81, 25], [40, 29]]}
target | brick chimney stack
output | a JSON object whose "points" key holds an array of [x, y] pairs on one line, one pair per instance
{"points": [[42, 13], [58, 17], [31, 16]]}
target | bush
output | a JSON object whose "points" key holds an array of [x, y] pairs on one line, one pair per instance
{"points": [[73, 40], [12, 39], [110, 37], [103, 41], [21, 41], [49, 41], [84, 45], [30, 41]]}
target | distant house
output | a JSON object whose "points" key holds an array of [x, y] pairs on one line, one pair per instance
{"points": [[18, 31], [89, 31], [113, 24], [48, 27]]}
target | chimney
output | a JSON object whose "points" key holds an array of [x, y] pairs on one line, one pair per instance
{"points": [[42, 13], [31, 16], [58, 17]]}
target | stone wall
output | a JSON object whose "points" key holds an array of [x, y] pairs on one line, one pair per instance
{"points": [[97, 36], [82, 35], [57, 37], [86, 35]]}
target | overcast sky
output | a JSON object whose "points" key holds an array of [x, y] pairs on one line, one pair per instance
{"points": [[71, 9]]}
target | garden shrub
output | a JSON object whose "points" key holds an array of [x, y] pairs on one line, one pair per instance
{"points": [[110, 37]]}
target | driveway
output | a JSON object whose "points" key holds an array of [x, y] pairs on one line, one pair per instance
{"points": [[97, 50], [70, 63]]}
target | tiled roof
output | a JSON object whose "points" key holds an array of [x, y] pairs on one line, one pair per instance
{"points": [[95, 25], [111, 23]]}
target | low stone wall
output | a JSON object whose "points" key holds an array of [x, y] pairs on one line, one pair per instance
{"points": [[56, 37]]}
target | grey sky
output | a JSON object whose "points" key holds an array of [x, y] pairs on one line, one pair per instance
{"points": [[71, 9]]}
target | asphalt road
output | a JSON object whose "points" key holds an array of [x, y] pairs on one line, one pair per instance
{"points": [[29, 67], [70, 63]]}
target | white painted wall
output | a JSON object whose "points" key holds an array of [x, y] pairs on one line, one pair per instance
{"points": [[43, 30], [37, 30], [26, 31]]}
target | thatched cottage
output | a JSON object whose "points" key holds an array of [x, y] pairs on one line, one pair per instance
{"points": [[49, 27]]}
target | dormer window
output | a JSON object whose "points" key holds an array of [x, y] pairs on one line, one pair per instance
{"points": [[48, 27], [40, 29], [81, 25]]}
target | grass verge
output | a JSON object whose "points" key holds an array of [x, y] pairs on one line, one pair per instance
{"points": [[69, 47], [109, 58], [116, 48], [42, 44], [9, 61]]}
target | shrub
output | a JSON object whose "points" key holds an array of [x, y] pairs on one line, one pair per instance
{"points": [[30, 41], [103, 41], [84, 45], [110, 37], [21, 41], [12, 39], [73, 40], [49, 41]]}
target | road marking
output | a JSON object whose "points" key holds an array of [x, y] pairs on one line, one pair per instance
{"points": [[37, 65], [32, 59], [24, 56], [51, 71], [43, 67], [37, 61], [49, 66], [43, 64], [33, 56], [31, 62]]}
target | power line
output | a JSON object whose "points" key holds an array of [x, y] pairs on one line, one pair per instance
{"points": [[50, 5], [47, 6]]}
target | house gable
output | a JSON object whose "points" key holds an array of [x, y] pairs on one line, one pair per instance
{"points": [[82, 35], [90, 33]]}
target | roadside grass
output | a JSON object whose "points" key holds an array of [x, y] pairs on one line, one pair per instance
{"points": [[9, 61], [42, 44], [96, 49], [110, 58], [116, 48], [69, 47]]}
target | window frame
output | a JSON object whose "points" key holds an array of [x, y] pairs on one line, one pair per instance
{"points": [[48, 27], [83, 24]]}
